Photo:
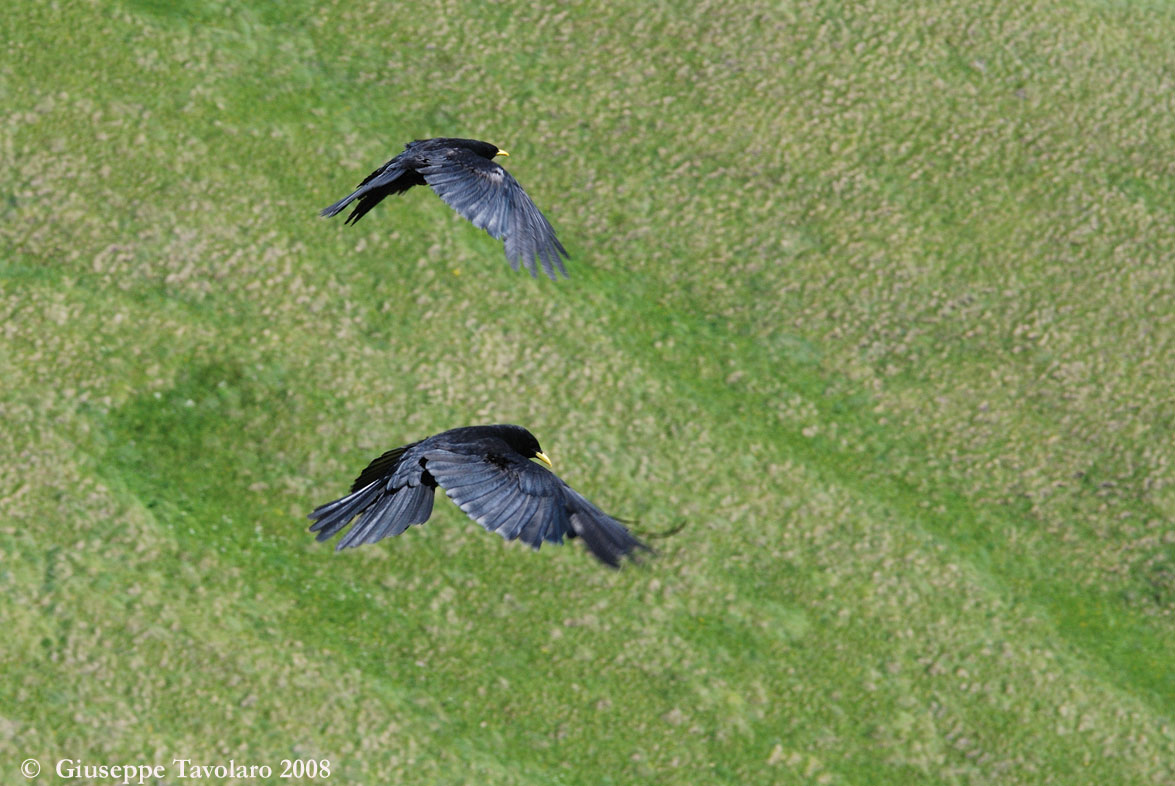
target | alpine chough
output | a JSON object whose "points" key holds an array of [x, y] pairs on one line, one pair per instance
{"points": [[487, 472], [463, 173]]}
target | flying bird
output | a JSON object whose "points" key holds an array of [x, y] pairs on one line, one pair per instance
{"points": [[463, 173], [487, 471]]}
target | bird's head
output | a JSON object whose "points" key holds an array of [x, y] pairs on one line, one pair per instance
{"points": [[525, 443], [486, 150]]}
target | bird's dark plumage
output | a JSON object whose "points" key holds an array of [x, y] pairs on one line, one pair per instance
{"points": [[486, 470], [463, 173]]}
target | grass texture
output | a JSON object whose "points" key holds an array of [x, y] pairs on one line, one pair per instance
{"points": [[874, 300]]}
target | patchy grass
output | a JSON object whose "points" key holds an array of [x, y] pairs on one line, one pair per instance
{"points": [[875, 300]]}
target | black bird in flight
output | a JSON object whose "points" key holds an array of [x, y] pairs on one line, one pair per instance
{"points": [[486, 470], [463, 173]]}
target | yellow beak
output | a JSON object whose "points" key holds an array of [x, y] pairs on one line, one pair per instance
{"points": [[502, 153], [543, 458]]}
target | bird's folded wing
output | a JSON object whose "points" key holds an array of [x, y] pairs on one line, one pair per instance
{"points": [[388, 173], [385, 176], [392, 469]]}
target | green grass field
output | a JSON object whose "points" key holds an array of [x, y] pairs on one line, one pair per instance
{"points": [[876, 299]]}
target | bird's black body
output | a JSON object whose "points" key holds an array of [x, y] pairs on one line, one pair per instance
{"points": [[463, 173], [487, 471]]}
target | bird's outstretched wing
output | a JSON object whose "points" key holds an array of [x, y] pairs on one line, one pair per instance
{"points": [[391, 494], [492, 199], [519, 499]]}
